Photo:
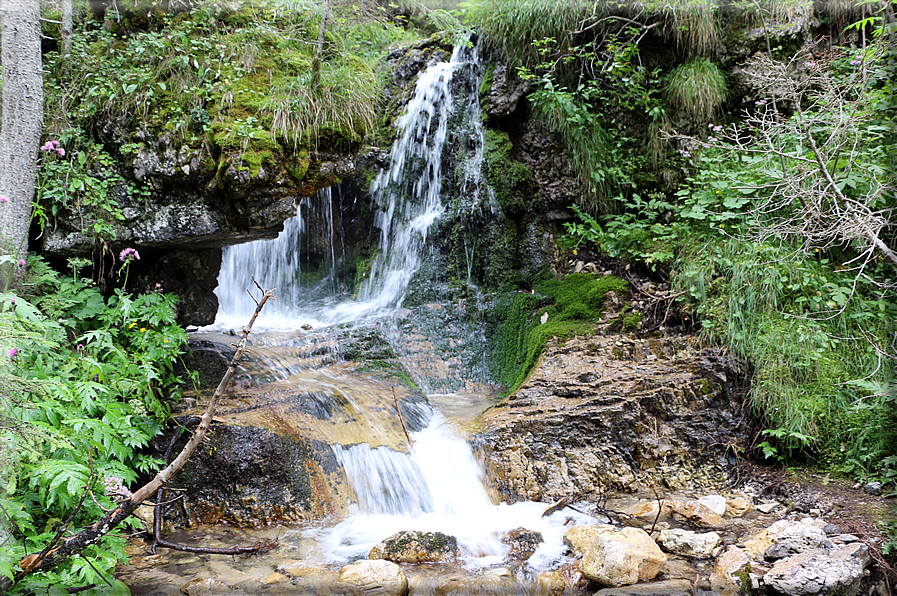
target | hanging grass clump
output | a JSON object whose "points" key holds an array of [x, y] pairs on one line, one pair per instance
{"points": [[697, 88], [693, 26]]}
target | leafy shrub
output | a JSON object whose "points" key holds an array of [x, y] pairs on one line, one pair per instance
{"points": [[87, 383]]}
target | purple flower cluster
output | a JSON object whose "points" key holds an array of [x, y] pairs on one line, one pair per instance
{"points": [[684, 153], [53, 146], [129, 253], [856, 62], [12, 352]]}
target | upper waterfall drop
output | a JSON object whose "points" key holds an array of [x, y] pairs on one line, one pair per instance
{"points": [[408, 199]]}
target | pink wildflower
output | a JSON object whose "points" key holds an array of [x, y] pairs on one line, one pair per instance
{"points": [[129, 253], [21, 262], [12, 352], [60, 151], [4, 199]]}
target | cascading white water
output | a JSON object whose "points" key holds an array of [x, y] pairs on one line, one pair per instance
{"points": [[438, 485], [283, 264]]}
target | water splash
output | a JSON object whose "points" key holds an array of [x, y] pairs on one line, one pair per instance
{"points": [[437, 487]]}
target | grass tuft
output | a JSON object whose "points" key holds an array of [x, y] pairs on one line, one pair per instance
{"points": [[697, 88], [512, 27], [692, 25]]}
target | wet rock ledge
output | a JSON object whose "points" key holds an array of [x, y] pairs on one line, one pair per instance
{"points": [[616, 412]]}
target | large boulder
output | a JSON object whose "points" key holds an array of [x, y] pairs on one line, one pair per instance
{"points": [[416, 547], [613, 411], [820, 571], [373, 578], [730, 575], [784, 538], [687, 543], [622, 557], [697, 514]]}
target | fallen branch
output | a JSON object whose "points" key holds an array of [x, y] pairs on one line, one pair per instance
{"points": [[92, 534], [401, 418], [158, 540]]}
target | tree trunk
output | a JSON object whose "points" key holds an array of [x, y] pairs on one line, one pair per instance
{"points": [[22, 121], [66, 27], [319, 49]]}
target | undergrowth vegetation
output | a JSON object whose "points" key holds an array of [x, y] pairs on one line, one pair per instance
{"points": [[782, 262], [87, 380], [238, 78]]}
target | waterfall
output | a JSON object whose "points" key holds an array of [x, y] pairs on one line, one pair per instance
{"points": [[303, 274], [408, 200], [438, 485]]}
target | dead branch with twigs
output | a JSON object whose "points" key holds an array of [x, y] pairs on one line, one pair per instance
{"points": [[74, 545], [810, 155]]}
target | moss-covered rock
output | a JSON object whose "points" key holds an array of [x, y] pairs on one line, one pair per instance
{"points": [[511, 181], [416, 547]]}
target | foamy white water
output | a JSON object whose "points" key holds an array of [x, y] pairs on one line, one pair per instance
{"points": [[437, 487]]}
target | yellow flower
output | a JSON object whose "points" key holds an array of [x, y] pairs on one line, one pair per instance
{"points": [[131, 326], [142, 329], [575, 252]]}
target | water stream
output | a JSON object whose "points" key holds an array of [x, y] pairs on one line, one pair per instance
{"points": [[437, 485]]}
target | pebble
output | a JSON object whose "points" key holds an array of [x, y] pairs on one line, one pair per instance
{"points": [[873, 488], [767, 507]]}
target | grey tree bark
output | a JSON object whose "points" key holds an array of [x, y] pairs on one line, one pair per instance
{"points": [[22, 122], [319, 47], [66, 27]]}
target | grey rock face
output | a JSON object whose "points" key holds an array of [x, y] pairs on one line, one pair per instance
{"points": [[599, 413], [820, 571]]}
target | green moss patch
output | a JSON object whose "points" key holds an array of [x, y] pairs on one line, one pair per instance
{"points": [[572, 305], [512, 182]]}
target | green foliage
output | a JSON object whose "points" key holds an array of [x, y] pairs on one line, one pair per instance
{"points": [[572, 305], [214, 78], [697, 88], [511, 181], [81, 180], [805, 329], [87, 383], [603, 162]]}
